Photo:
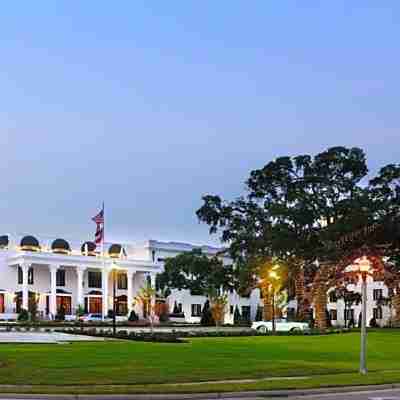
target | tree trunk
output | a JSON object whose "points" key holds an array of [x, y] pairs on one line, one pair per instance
{"points": [[320, 300], [267, 306], [299, 289], [320, 309]]}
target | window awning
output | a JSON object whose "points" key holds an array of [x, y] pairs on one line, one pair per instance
{"points": [[94, 293]]}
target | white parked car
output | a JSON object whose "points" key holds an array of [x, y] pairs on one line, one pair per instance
{"points": [[282, 325], [93, 318]]}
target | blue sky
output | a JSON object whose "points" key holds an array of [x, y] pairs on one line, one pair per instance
{"points": [[150, 105]]}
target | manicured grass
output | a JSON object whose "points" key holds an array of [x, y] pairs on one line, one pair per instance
{"points": [[139, 367]]}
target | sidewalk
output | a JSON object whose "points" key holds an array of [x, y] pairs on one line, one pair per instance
{"points": [[44, 337], [205, 396]]}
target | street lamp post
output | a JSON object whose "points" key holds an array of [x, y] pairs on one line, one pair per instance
{"points": [[273, 312], [273, 275], [362, 268], [114, 304]]}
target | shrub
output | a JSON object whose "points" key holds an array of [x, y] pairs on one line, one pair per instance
{"points": [[91, 332], [80, 311], [133, 317], [206, 315], [60, 316], [23, 315]]}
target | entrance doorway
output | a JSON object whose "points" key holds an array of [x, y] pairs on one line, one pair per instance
{"points": [[121, 305], [2, 303], [65, 303], [93, 305]]}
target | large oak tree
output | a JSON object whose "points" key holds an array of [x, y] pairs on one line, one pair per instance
{"points": [[297, 208]]}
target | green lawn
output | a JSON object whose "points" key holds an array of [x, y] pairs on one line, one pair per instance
{"points": [[330, 359]]}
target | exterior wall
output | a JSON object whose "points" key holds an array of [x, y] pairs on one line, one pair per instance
{"points": [[371, 304], [153, 253], [339, 305], [43, 261]]}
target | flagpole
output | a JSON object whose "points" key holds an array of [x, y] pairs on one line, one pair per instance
{"points": [[104, 232], [104, 269]]}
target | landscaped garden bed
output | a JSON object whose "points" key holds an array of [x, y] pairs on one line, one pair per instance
{"points": [[176, 336]]}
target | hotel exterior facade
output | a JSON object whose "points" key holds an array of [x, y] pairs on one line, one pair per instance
{"points": [[56, 273]]}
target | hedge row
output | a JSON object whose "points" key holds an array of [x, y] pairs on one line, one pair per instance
{"points": [[177, 336], [123, 334]]}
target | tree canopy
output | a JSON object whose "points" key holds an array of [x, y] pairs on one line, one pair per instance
{"points": [[196, 272], [297, 208]]}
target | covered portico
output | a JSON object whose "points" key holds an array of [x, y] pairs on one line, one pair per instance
{"points": [[77, 268]]}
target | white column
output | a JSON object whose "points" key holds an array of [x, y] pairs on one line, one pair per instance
{"points": [[104, 276], [80, 271], [25, 293], [129, 296], [53, 290]]}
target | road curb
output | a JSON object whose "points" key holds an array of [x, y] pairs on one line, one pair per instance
{"points": [[203, 396]]}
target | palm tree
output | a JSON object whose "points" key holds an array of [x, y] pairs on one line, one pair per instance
{"points": [[146, 298]]}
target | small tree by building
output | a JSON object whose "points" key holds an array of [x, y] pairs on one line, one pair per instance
{"points": [[162, 311], [33, 307], [218, 308], [80, 311], [23, 315], [146, 298]]}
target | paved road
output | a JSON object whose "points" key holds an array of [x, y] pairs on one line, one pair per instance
{"points": [[389, 394], [373, 395]]}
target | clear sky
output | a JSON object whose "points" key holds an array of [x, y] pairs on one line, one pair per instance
{"points": [[148, 105]]}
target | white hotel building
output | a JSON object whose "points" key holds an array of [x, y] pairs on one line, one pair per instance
{"points": [[58, 273]]}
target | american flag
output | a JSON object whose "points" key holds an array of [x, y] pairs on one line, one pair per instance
{"points": [[99, 235], [99, 221]]}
